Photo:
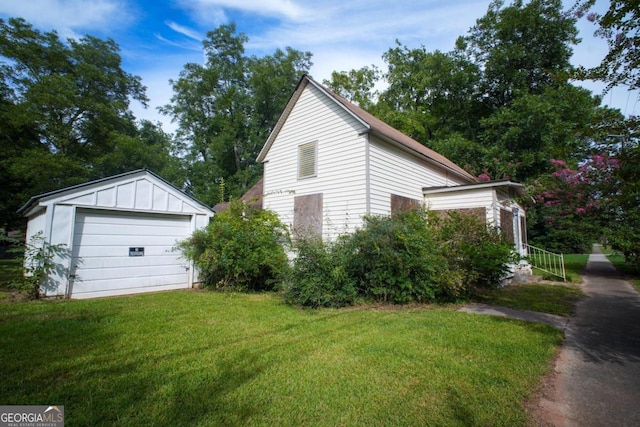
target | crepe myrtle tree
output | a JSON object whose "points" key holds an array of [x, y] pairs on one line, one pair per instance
{"points": [[571, 206]]}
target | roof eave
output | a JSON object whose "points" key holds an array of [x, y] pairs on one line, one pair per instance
{"points": [[465, 176], [26, 209], [516, 186]]}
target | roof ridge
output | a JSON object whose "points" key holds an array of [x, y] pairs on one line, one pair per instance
{"points": [[384, 129]]}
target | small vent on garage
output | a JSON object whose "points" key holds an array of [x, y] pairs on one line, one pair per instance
{"points": [[307, 160]]}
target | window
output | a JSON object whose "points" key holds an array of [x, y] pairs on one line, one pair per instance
{"points": [[307, 159]]}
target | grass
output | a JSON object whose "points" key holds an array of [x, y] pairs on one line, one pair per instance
{"points": [[205, 359], [574, 264], [628, 271], [545, 298], [10, 270]]}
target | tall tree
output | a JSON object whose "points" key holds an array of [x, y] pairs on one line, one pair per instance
{"points": [[357, 86], [226, 108], [620, 27], [523, 48], [64, 114], [434, 92], [75, 93], [522, 137]]}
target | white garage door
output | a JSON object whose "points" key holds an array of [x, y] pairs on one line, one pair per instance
{"points": [[117, 253]]}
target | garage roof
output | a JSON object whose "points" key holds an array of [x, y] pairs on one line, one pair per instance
{"points": [[36, 201]]}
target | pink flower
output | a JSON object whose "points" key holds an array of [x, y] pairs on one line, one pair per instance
{"points": [[592, 17], [580, 210], [483, 177], [558, 163]]}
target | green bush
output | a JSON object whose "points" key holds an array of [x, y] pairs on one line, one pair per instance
{"points": [[242, 249], [403, 258], [396, 259], [479, 253], [318, 277]]}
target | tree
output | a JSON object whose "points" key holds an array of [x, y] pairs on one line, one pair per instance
{"points": [[522, 137], [619, 26], [435, 92], [357, 86], [621, 212], [523, 48], [64, 110], [75, 94], [226, 108]]}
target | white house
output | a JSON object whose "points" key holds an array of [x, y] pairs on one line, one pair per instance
{"points": [[116, 235], [327, 163]]}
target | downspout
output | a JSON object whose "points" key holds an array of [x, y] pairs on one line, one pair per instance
{"points": [[496, 209]]}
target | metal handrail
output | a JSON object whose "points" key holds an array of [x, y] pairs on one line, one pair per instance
{"points": [[546, 261]]}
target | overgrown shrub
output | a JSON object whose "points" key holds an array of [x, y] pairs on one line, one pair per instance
{"points": [[407, 257], [396, 259], [38, 265], [479, 253], [318, 277], [243, 248]]}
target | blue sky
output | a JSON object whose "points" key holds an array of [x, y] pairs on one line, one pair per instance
{"points": [[157, 37]]}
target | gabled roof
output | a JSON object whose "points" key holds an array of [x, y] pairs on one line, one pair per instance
{"points": [[374, 126], [35, 200], [253, 197], [515, 186]]}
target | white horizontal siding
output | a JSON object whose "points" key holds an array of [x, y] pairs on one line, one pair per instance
{"points": [[36, 225], [472, 198], [341, 163], [394, 171], [101, 262], [460, 199]]}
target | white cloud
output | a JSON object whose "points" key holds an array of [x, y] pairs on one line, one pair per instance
{"points": [[70, 17], [185, 31], [287, 9]]}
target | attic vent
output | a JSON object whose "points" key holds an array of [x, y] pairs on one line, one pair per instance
{"points": [[307, 159]]}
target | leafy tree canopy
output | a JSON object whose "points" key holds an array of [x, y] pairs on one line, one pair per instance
{"points": [[64, 116], [226, 108]]}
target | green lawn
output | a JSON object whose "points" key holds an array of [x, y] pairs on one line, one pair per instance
{"points": [[553, 299], [10, 270], [625, 269], [204, 358], [574, 265]]}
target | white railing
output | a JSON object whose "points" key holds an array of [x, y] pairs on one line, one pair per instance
{"points": [[547, 261]]}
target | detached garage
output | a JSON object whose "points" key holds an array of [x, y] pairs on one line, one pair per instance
{"points": [[116, 235]]}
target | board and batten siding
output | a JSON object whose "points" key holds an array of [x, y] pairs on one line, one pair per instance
{"points": [[341, 164], [394, 171]]}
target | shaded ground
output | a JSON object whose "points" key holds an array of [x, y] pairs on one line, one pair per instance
{"points": [[530, 316], [596, 378]]}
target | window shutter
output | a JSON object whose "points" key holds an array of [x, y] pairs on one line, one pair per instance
{"points": [[307, 160]]}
